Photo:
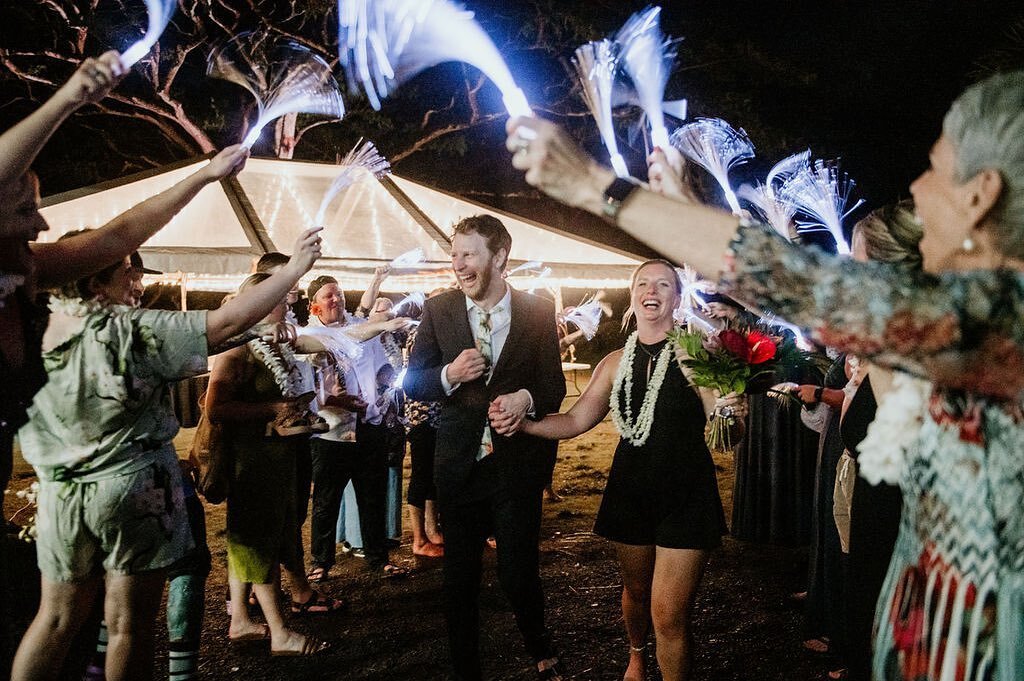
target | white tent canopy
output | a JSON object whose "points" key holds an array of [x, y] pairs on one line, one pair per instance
{"points": [[213, 241]]}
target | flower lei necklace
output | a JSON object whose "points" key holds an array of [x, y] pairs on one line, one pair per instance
{"points": [[636, 432], [76, 307], [280, 359]]}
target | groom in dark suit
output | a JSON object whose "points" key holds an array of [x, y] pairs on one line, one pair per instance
{"points": [[483, 346]]}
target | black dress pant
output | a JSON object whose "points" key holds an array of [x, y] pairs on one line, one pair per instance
{"points": [[514, 519], [365, 464]]}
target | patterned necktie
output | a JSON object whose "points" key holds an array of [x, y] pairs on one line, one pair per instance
{"points": [[483, 344]]}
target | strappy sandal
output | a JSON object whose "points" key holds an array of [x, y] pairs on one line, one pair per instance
{"points": [[318, 574], [318, 604], [311, 646]]}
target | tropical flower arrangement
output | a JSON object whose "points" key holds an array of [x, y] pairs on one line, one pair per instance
{"points": [[733, 361]]}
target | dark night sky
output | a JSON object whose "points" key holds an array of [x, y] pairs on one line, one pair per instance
{"points": [[865, 81]]}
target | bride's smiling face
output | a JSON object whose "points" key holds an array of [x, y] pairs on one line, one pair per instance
{"points": [[655, 293]]}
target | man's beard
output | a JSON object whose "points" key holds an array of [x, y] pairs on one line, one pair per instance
{"points": [[483, 283]]}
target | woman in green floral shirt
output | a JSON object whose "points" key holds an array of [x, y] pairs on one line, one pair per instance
{"points": [[99, 437], [953, 603]]}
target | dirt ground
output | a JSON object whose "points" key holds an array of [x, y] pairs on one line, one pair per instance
{"points": [[394, 629]]}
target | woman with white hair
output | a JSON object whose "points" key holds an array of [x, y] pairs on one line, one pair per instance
{"points": [[953, 603]]}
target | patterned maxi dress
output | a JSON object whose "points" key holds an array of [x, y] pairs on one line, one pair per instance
{"points": [[952, 606]]}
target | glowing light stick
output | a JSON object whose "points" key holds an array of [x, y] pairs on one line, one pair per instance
{"points": [[765, 199], [528, 266], [690, 299], [408, 259], [337, 342], [596, 63], [363, 155], [416, 298], [283, 76], [160, 13], [543, 274], [715, 146], [692, 319], [821, 192], [648, 56], [587, 316], [770, 319], [383, 43]]}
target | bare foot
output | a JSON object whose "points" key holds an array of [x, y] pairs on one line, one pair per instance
{"points": [[434, 535], [551, 495], [551, 669], [248, 631], [288, 640], [637, 667], [428, 550]]}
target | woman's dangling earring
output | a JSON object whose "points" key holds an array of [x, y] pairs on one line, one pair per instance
{"points": [[968, 245]]}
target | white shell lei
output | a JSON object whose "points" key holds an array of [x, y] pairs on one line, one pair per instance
{"points": [[636, 432], [280, 359]]}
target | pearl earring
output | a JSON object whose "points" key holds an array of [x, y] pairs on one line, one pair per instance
{"points": [[968, 245]]}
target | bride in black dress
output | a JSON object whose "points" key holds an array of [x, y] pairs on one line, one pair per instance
{"points": [[661, 506]]}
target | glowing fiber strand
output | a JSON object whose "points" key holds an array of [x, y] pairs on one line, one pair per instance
{"points": [[596, 63], [160, 13], [714, 145], [364, 155], [283, 76], [383, 43], [648, 57]]}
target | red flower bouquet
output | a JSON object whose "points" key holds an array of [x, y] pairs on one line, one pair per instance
{"points": [[727, 361]]}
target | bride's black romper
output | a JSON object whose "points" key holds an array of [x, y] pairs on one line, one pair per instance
{"points": [[664, 493]]}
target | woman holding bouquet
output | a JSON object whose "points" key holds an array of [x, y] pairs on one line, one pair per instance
{"points": [[661, 506], [953, 601]]}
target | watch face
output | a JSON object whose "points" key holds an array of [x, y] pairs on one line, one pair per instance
{"points": [[619, 189]]}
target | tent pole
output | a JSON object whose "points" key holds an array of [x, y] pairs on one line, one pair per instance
{"points": [[183, 288], [254, 229], [424, 221]]}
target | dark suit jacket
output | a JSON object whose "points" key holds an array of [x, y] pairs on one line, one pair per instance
{"points": [[529, 359]]}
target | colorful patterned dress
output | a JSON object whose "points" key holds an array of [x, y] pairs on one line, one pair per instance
{"points": [[952, 606]]}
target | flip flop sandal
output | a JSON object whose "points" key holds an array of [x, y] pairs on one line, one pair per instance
{"points": [[311, 646], [318, 604]]}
